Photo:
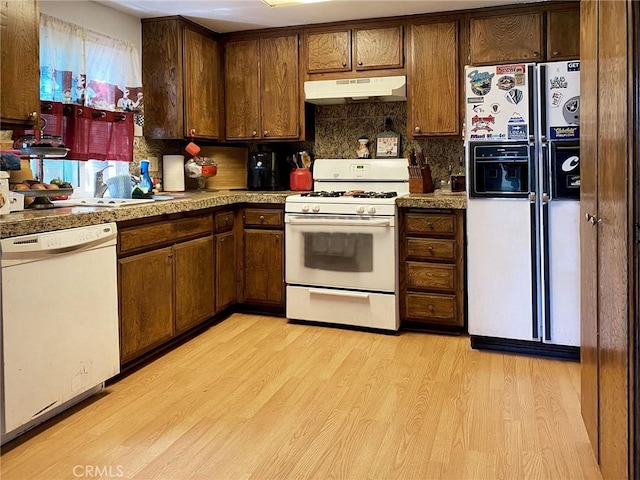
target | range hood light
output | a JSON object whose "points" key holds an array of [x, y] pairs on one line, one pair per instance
{"points": [[289, 3]]}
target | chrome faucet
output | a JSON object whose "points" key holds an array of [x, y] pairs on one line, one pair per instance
{"points": [[99, 187]]}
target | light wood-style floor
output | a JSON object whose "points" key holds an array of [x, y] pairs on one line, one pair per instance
{"points": [[257, 398]]}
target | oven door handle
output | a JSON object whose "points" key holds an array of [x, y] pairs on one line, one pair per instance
{"points": [[337, 293], [337, 222]]}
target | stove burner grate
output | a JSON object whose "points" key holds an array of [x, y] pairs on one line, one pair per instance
{"points": [[322, 194], [375, 194], [354, 194]]}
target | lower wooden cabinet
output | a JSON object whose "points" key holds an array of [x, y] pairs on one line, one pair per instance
{"points": [[165, 281], [146, 301], [432, 282], [226, 260], [263, 257]]}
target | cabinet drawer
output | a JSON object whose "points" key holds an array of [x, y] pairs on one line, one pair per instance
{"points": [[432, 307], [431, 249], [224, 221], [258, 217], [145, 236], [431, 223], [431, 276]]}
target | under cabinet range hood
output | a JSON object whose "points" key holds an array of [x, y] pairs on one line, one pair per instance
{"points": [[327, 92]]}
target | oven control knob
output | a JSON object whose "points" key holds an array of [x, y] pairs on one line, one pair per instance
{"points": [[305, 208], [359, 209], [371, 210], [316, 208]]}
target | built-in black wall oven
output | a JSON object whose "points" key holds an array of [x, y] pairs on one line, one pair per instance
{"points": [[499, 170]]}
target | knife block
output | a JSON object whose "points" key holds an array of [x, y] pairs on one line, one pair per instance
{"points": [[420, 180]]}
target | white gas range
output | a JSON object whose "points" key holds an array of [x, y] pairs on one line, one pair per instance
{"points": [[341, 244]]}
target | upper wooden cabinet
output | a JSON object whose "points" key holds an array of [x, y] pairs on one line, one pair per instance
{"points": [[433, 72], [371, 48], [181, 77], [563, 34], [262, 88], [328, 51], [20, 89], [507, 38]]}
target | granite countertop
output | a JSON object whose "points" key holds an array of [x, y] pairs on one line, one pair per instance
{"points": [[35, 221]]}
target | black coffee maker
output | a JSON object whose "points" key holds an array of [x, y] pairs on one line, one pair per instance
{"points": [[263, 171]]}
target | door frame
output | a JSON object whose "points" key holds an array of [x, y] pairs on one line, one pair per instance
{"points": [[634, 327]]}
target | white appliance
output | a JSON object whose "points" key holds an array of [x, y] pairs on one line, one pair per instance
{"points": [[327, 92], [341, 244], [59, 322], [523, 186]]}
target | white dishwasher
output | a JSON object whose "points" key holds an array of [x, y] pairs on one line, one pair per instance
{"points": [[59, 322]]}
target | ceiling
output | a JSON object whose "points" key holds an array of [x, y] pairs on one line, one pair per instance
{"points": [[225, 16]]}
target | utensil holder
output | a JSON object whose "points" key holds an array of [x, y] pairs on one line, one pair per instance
{"points": [[420, 180]]}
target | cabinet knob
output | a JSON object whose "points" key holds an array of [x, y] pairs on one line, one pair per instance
{"points": [[33, 116], [430, 308], [254, 134], [535, 54], [266, 133], [262, 218], [430, 225], [416, 129], [430, 248], [344, 64], [192, 132], [359, 64], [555, 53]]}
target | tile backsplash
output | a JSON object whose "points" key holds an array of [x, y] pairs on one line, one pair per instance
{"points": [[338, 128]]}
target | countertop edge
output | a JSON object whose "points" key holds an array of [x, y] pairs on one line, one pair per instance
{"points": [[30, 222]]}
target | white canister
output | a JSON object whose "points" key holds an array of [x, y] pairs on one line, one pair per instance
{"points": [[5, 203], [173, 173]]}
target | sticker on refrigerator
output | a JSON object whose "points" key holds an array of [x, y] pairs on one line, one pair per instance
{"points": [[517, 132], [480, 82], [482, 123], [478, 109], [564, 133], [558, 82], [514, 96], [516, 70], [571, 110], [475, 100], [506, 82], [573, 66], [570, 163], [495, 108], [556, 99], [516, 118]]}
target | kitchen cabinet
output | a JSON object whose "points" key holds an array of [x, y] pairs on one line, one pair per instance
{"points": [[263, 256], [507, 38], [563, 34], [434, 69], [262, 88], [373, 48], [226, 259], [165, 281], [432, 282], [609, 260], [20, 66], [181, 74]]}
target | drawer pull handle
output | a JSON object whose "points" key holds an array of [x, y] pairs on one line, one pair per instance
{"points": [[262, 218], [430, 308]]}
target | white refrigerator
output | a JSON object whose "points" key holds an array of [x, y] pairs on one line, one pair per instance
{"points": [[523, 183]]}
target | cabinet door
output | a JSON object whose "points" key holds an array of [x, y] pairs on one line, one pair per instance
{"points": [[563, 35], [20, 89], [242, 97], [146, 301], [504, 39], [433, 91], [328, 51], [279, 78], [263, 267], [378, 48], [225, 270], [194, 282], [201, 85]]}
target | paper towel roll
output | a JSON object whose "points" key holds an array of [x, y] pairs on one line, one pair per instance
{"points": [[173, 173]]}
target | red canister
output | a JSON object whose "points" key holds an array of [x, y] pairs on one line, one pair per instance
{"points": [[300, 179]]}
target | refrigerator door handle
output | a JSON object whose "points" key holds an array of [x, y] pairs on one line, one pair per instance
{"points": [[545, 271], [542, 82], [535, 326]]}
